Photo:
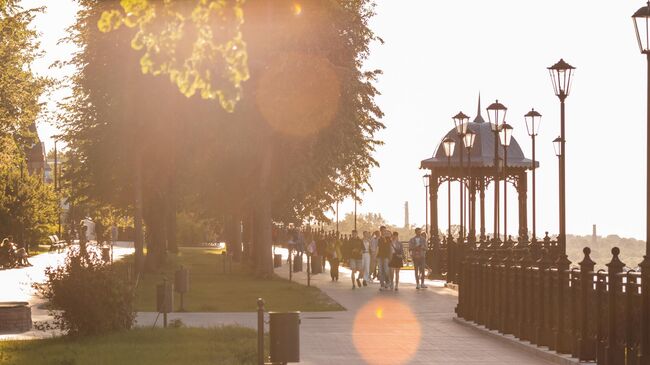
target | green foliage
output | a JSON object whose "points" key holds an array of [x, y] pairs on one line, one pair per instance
{"points": [[190, 230], [88, 296], [20, 89], [228, 345], [28, 206], [198, 46]]}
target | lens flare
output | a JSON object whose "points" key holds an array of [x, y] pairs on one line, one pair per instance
{"points": [[387, 332], [296, 8], [298, 94]]}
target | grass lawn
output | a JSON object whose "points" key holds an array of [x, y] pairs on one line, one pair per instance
{"points": [[196, 346], [213, 291]]}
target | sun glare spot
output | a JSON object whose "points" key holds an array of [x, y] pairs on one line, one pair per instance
{"points": [[386, 331], [298, 94], [297, 9]]}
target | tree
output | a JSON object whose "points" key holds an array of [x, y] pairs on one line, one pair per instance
{"points": [[300, 138]]}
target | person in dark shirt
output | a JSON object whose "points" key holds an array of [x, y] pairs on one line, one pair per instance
{"points": [[356, 250], [383, 257]]}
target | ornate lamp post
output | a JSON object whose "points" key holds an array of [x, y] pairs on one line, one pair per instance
{"points": [[561, 73], [461, 121], [496, 116], [468, 141], [449, 144], [641, 21], [505, 135], [533, 120], [425, 181]]}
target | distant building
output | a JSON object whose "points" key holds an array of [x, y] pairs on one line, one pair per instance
{"points": [[594, 237], [35, 154], [406, 215]]}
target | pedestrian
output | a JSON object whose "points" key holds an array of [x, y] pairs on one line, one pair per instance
{"points": [[383, 257], [396, 261], [365, 258], [418, 249], [321, 248], [374, 242], [356, 250], [334, 250]]}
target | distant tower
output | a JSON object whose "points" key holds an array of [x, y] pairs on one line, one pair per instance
{"points": [[406, 215], [594, 237]]}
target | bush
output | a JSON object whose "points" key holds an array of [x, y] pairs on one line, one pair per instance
{"points": [[88, 296]]}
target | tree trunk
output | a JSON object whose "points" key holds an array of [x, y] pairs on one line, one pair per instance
{"points": [[263, 219], [137, 216], [170, 224]]}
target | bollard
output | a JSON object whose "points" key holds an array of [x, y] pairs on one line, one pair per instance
{"points": [[308, 270]]}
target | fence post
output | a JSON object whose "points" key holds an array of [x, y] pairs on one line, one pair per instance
{"points": [[491, 290], [562, 343], [644, 342], [525, 300], [613, 353], [630, 289], [260, 331], [585, 343], [507, 304]]}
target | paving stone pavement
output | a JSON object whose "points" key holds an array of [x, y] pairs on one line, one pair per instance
{"points": [[379, 327]]}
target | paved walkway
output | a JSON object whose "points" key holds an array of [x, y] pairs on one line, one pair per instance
{"points": [[379, 327], [16, 286]]}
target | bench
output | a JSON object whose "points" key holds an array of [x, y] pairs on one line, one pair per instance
{"points": [[57, 244]]}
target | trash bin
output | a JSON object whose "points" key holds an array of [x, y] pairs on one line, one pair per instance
{"points": [[297, 263], [277, 260], [182, 280], [284, 337], [106, 253], [316, 265]]}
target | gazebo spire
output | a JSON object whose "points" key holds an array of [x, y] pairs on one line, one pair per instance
{"points": [[479, 118]]}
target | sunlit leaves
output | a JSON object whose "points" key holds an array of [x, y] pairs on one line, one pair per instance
{"points": [[198, 45]]}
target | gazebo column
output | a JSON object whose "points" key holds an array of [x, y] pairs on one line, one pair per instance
{"points": [[472, 210], [522, 190], [433, 206], [482, 199]]}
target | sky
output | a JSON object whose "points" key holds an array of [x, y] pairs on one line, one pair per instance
{"points": [[436, 58]]}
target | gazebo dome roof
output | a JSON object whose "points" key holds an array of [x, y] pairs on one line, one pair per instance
{"points": [[482, 154]]}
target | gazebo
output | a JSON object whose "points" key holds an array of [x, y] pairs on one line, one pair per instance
{"points": [[477, 175]]}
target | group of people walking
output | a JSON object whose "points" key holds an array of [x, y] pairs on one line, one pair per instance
{"points": [[372, 256]]}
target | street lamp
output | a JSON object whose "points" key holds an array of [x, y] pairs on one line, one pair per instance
{"points": [[425, 181], [505, 135], [449, 144], [533, 120], [468, 141], [641, 21], [496, 117], [461, 122], [561, 74]]}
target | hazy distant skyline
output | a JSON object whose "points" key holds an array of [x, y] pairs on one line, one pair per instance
{"points": [[439, 55]]}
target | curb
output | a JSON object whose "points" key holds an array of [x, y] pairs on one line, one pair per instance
{"points": [[541, 352]]}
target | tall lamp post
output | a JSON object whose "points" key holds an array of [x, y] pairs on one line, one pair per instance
{"points": [[561, 73], [468, 141], [496, 117], [425, 181], [461, 121], [505, 134], [641, 21], [449, 144], [533, 120]]}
